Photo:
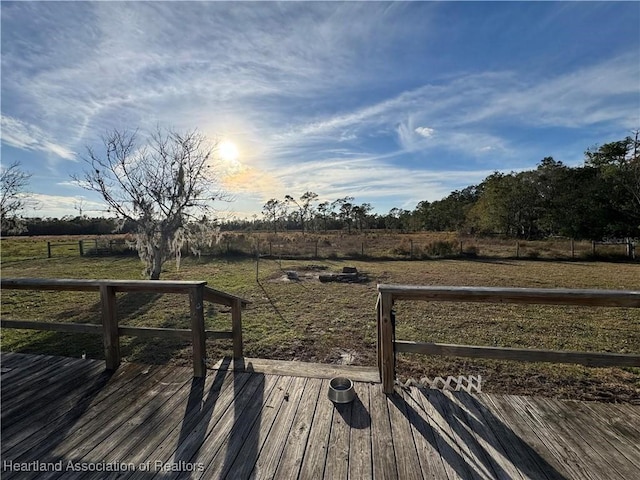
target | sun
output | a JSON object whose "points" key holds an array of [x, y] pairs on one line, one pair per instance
{"points": [[228, 151]]}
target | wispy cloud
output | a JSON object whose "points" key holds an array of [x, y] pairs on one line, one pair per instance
{"points": [[313, 100], [16, 133]]}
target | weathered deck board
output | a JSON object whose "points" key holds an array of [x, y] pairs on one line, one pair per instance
{"points": [[315, 454], [360, 438], [294, 448], [299, 369], [243, 424]]}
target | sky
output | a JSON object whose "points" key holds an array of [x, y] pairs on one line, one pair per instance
{"points": [[391, 103]]}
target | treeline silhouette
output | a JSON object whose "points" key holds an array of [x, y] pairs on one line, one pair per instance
{"points": [[598, 199]]}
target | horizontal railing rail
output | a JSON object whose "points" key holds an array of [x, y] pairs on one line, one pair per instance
{"points": [[198, 293], [388, 346]]}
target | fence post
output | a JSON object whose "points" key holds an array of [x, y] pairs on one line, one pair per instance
{"points": [[48, 249], [461, 251], [386, 353], [573, 249], [236, 327], [81, 248], [593, 247], [111, 338], [196, 295], [362, 250]]}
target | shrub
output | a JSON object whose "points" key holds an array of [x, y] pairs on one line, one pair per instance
{"points": [[441, 248]]}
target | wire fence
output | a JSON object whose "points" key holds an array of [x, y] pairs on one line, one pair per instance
{"points": [[294, 245]]}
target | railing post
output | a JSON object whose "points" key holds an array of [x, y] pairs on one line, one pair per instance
{"points": [[387, 361], [196, 301], [111, 339], [236, 327], [48, 249], [81, 248]]}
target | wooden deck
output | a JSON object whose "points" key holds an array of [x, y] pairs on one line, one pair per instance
{"points": [[158, 422]]}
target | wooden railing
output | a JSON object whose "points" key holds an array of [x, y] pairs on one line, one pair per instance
{"points": [[387, 345], [198, 293]]}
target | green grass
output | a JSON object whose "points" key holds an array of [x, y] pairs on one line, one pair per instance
{"points": [[321, 322]]}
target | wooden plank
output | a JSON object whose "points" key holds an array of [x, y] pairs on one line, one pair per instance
{"points": [[602, 427], [473, 454], [186, 442], [225, 440], [580, 434], [546, 296], [526, 438], [51, 326], [196, 305], [518, 453], [23, 379], [360, 463], [313, 463], [67, 428], [404, 446], [238, 454], [173, 389], [150, 434], [297, 441], [623, 419], [276, 439], [19, 365], [299, 369], [247, 459], [450, 446], [379, 336], [82, 441], [98, 420], [160, 286], [431, 462], [473, 421], [152, 332], [49, 422], [519, 354], [387, 358], [110, 336], [236, 327], [383, 455], [567, 460], [57, 380], [337, 462], [15, 408], [223, 298]]}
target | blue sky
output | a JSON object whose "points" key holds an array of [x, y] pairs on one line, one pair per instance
{"points": [[392, 103]]}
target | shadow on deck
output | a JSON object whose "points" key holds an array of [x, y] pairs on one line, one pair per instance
{"points": [[67, 418]]}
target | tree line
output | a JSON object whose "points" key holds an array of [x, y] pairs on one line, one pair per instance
{"points": [[600, 198], [162, 190]]}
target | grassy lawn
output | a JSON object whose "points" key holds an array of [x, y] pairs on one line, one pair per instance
{"points": [[333, 322]]}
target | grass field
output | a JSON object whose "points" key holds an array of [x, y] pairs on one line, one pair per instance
{"points": [[332, 322]]}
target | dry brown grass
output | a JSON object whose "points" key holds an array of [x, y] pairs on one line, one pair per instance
{"points": [[322, 322]]}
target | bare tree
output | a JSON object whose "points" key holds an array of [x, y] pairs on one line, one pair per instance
{"points": [[305, 207], [13, 181], [273, 211], [165, 187], [345, 210]]}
